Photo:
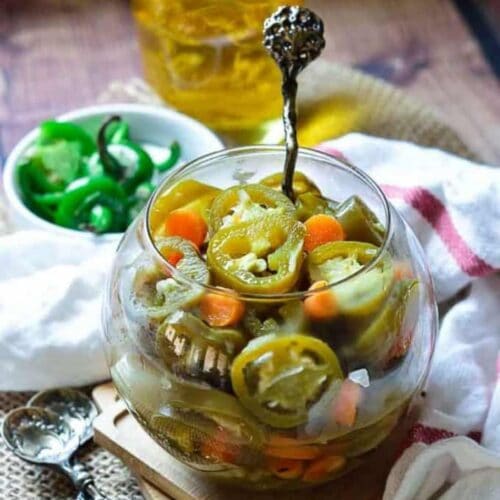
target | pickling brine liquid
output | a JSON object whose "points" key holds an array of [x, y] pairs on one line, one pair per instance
{"points": [[206, 58]]}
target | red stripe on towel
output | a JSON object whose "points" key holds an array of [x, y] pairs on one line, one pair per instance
{"points": [[433, 210], [421, 433]]}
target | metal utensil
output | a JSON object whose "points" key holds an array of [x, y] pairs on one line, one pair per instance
{"points": [[41, 436], [293, 36], [74, 406]]}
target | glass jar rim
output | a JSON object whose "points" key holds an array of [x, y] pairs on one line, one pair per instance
{"points": [[246, 151]]}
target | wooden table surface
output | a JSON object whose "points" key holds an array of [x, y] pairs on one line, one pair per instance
{"points": [[60, 54]]}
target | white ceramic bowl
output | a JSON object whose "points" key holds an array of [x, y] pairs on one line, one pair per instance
{"points": [[148, 124]]}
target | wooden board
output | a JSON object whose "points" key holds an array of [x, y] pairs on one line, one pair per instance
{"points": [[59, 54], [117, 431], [105, 396]]}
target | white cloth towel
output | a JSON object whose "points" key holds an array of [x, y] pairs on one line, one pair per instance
{"points": [[453, 205], [50, 312]]}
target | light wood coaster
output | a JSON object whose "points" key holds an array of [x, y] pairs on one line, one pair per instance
{"points": [[161, 477]]}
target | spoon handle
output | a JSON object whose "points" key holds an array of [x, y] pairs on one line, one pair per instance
{"points": [[82, 480]]}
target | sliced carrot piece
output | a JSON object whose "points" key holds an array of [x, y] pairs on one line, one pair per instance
{"points": [[221, 309], [345, 406], [321, 229], [403, 270], [306, 452], [286, 468], [322, 467], [320, 305], [188, 225], [173, 259]]}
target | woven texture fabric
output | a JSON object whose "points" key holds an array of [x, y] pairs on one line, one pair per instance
{"points": [[22, 481], [336, 101]]}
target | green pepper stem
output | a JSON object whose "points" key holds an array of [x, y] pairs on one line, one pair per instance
{"points": [[111, 165]]}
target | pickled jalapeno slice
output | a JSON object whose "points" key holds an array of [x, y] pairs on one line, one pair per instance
{"points": [[189, 262], [359, 222], [309, 204], [301, 183], [278, 377], [184, 194], [190, 348], [263, 256], [161, 295], [288, 318], [182, 429], [244, 203], [389, 334], [361, 294]]}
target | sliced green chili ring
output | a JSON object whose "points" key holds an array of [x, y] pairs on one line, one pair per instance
{"points": [[190, 348], [359, 222], [118, 133], [257, 325], [101, 219], [361, 294], [288, 318], [49, 199], [244, 203], [309, 204], [161, 296], [126, 162], [52, 131], [373, 345], [279, 377], [215, 404], [58, 163], [172, 158], [34, 178], [190, 265], [93, 166], [262, 256], [185, 193], [82, 194], [181, 430]]}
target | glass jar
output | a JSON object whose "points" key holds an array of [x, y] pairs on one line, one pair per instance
{"points": [[306, 400], [202, 56]]}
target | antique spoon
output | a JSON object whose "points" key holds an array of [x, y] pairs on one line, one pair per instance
{"points": [[293, 36], [74, 406], [43, 437]]}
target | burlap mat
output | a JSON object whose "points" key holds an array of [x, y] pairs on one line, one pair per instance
{"points": [[335, 100]]}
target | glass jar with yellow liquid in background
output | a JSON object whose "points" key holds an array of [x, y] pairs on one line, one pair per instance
{"points": [[206, 58]]}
